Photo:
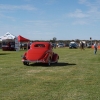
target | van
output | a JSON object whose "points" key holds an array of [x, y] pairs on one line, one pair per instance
{"points": [[73, 45]]}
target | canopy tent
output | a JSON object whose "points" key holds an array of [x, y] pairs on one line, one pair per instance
{"points": [[9, 42], [0, 42], [22, 39], [7, 36], [0, 38]]}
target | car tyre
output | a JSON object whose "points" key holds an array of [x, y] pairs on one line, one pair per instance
{"points": [[57, 59], [49, 62], [26, 63]]}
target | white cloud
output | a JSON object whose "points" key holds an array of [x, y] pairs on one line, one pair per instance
{"points": [[27, 0], [16, 7], [90, 14], [7, 17], [93, 10], [6, 8], [43, 23], [49, 2], [81, 22], [91, 4], [78, 14], [82, 1]]}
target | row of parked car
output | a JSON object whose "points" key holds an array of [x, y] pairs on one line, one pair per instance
{"points": [[72, 45]]}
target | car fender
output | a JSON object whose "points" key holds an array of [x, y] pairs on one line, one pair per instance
{"points": [[55, 57]]}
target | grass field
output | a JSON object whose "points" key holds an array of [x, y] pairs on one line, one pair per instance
{"points": [[75, 77]]}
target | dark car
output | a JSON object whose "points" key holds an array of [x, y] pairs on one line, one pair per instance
{"points": [[73, 45]]}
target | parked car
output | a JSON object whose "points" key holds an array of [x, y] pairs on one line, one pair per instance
{"points": [[73, 45], [89, 45], [61, 45], [53, 45], [40, 52]]}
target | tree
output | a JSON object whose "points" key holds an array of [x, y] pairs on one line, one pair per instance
{"points": [[54, 39]]}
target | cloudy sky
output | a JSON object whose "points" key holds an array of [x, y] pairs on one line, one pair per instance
{"points": [[46, 19]]}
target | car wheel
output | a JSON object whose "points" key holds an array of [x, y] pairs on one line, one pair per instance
{"points": [[26, 63], [57, 59], [49, 62]]}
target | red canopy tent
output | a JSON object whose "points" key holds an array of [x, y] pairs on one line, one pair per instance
{"points": [[22, 39]]}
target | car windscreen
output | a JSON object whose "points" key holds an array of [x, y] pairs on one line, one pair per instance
{"points": [[73, 44], [39, 45]]}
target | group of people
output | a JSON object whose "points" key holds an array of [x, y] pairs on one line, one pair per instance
{"points": [[95, 47], [24, 46]]}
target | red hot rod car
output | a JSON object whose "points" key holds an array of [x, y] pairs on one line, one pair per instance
{"points": [[40, 52]]}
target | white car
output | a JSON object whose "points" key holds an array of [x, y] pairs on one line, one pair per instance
{"points": [[61, 45]]}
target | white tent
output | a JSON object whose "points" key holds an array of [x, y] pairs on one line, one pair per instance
{"points": [[8, 36], [0, 38], [0, 41]]}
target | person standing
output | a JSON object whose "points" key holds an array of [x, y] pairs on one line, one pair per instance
{"points": [[82, 45], [95, 48]]}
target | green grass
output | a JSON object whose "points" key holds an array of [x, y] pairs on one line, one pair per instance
{"points": [[75, 77]]}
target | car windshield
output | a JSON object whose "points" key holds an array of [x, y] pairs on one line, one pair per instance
{"points": [[72, 44], [39, 45]]}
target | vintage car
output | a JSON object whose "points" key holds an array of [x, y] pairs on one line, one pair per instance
{"points": [[40, 52]]}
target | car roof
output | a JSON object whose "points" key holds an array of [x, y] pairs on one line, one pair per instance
{"points": [[42, 44]]}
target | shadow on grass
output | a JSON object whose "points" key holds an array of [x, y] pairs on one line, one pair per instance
{"points": [[4, 53], [60, 64]]}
